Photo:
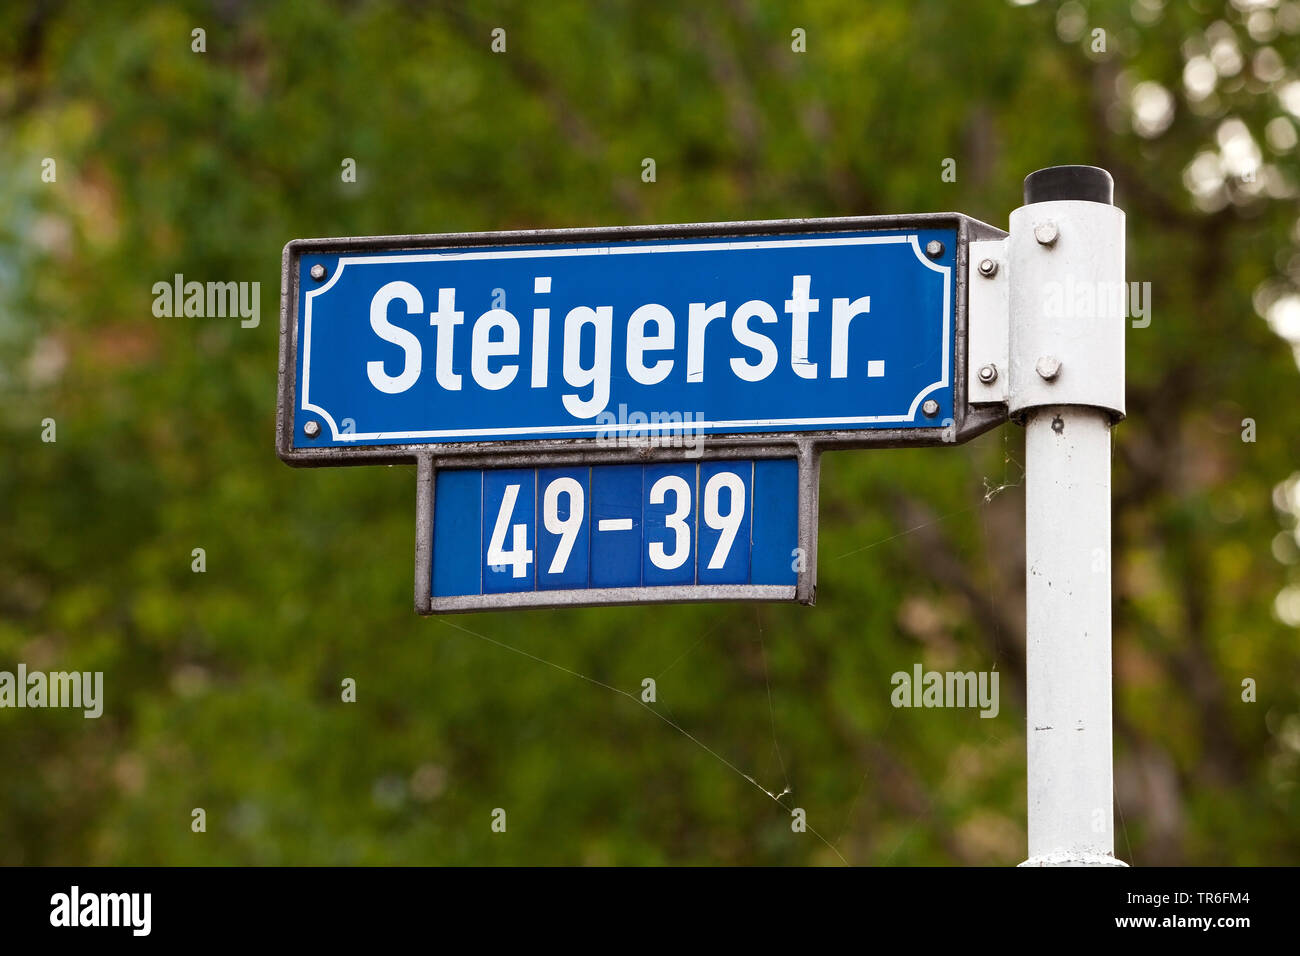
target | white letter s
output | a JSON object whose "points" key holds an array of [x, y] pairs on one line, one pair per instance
{"points": [[397, 335]]}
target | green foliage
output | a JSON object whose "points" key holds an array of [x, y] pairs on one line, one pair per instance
{"points": [[223, 688]]}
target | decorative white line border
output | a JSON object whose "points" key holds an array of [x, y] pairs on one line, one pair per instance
{"points": [[549, 431]]}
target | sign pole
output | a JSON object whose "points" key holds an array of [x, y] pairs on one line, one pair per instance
{"points": [[1067, 295]]}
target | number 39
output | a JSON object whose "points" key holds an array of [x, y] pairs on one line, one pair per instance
{"points": [[728, 522]]}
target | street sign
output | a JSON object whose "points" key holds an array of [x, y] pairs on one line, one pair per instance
{"points": [[591, 380], [712, 530], [847, 330]]}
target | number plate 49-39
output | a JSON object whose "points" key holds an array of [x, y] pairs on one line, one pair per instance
{"points": [[618, 533]]}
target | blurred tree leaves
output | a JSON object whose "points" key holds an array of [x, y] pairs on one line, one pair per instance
{"points": [[223, 688]]}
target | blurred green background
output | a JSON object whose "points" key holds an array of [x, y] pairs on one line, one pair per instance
{"points": [[223, 687]]}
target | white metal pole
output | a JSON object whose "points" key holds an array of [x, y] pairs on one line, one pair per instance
{"points": [[1067, 654], [1066, 356]]}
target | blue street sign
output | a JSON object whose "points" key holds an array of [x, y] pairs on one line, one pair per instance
{"points": [[558, 389], [638, 528], [830, 331]]}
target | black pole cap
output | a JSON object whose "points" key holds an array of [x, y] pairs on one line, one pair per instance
{"points": [[1085, 183]]}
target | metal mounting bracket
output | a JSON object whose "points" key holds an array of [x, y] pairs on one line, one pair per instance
{"points": [[1047, 307], [1066, 299]]}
